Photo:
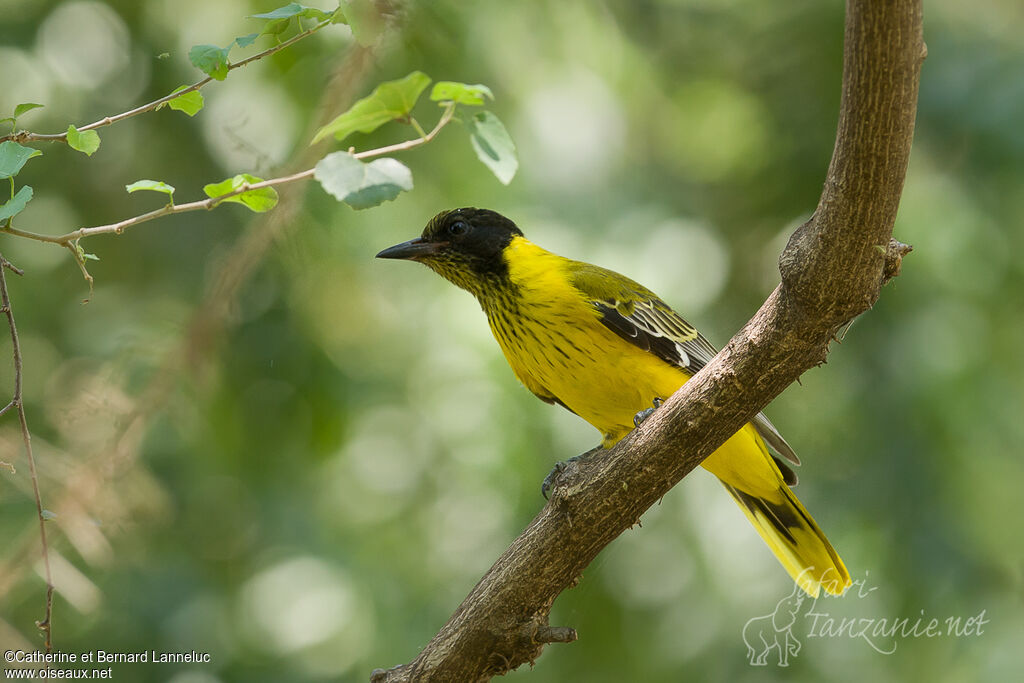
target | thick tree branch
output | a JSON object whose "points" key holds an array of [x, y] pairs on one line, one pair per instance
{"points": [[832, 270]]}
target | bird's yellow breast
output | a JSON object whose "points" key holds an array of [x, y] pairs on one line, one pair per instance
{"points": [[558, 347]]}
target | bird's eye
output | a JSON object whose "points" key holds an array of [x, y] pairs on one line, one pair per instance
{"points": [[458, 228]]}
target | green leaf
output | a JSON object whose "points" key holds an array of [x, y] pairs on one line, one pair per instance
{"points": [[318, 14], [24, 107], [83, 255], [362, 185], [389, 101], [263, 199], [211, 60], [86, 141], [293, 9], [287, 12], [153, 185], [17, 203], [247, 40], [190, 102], [13, 156], [460, 93], [276, 27], [493, 145]]}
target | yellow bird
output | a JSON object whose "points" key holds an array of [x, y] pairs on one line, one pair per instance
{"points": [[606, 348]]}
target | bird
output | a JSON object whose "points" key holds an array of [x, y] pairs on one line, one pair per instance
{"points": [[607, 348]]}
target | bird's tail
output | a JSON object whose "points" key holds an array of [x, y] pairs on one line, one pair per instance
{"points": [[754, 480], [795, 538]]}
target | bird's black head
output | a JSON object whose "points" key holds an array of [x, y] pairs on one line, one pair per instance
{"points": [[463, 245]]}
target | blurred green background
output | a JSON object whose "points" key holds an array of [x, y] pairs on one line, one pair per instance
{"points": [[263, 444]]}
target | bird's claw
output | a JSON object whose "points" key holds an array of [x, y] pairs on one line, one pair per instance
{"points": [[561, 466], [642, 416], [549, 481]]}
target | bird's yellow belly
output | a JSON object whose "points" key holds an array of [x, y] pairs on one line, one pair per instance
{"points": [[607, 381], [593, 372]]}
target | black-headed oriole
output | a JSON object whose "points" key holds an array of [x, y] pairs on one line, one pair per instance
{"points": [[606, 347]]}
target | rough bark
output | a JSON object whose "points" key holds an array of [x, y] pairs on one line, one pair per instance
{"points": [[832, 270]]}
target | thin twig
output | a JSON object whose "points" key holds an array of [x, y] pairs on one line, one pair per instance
{"points": [[78, 255], [90, 477], [26, 136], [89, 481], [18, 404], [68, 239]]}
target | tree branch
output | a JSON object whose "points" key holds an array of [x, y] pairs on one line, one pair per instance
{"points": [[832, 270], [18, 405], [95, 470], [68, 239]]}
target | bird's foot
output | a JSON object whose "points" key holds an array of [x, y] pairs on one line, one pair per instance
{"points": [[642, 416], [556, 471]]}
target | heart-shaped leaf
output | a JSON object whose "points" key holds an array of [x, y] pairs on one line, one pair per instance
{"points": [[24, 107], [362, 185], [85, 141], [16, 204], [460, 93], [211, 60], [13, 156], [294, 9], [190, 103], [493, 145], [263, 199], [389, 101], [152, 185], [246, 40]]}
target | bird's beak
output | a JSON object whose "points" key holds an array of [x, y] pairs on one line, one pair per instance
{"points": [[413, 249]]}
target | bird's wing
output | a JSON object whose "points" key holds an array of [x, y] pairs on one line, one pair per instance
{"points": [[637, 315]]}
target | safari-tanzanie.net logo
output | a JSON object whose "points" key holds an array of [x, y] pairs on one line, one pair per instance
{"points": [[798, 618]]}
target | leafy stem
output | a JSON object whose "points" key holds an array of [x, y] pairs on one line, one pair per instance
{"points": [[70, 239], [418, 128], [27, 136]]}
